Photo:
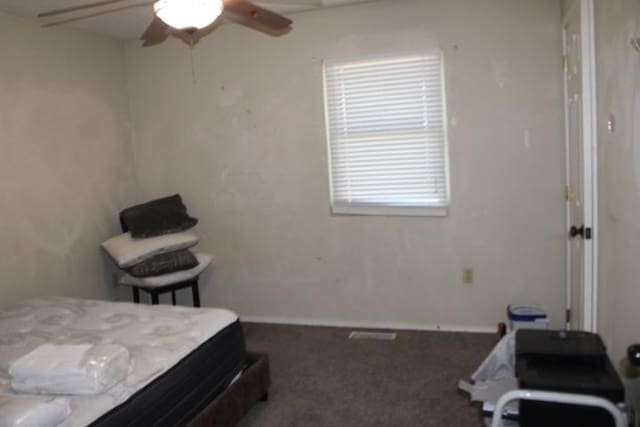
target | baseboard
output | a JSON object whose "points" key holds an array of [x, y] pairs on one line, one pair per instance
{"points": [[367, 325]]}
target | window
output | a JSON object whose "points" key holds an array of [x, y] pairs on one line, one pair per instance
{"points": [[387, 136]]}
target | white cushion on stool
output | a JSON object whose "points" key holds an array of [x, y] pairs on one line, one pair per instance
{"points": [[171, 278], [127, 251]]}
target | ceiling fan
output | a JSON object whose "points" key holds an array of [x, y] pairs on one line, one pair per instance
{"points": [[189, 20]]}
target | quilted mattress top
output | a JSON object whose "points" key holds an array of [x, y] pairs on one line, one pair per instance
{"points": [[157, 338]]}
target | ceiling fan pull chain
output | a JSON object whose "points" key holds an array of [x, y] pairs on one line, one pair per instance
{"points": [[193, 66]]}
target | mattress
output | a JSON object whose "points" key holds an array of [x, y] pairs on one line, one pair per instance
{"points": [[171, 348]]}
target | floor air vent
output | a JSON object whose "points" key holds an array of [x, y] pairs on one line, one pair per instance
{"points": [[364, 335]]}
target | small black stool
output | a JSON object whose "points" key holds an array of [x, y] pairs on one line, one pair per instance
{"points": [[155, 292], [171, 282]]}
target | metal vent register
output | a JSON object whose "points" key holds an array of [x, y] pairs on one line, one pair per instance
{"points": [[366, 335]]}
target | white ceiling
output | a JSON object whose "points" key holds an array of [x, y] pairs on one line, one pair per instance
{"points": [[130, 23]]}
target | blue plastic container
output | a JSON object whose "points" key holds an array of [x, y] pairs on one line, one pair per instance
{"points": [[527, 317]]}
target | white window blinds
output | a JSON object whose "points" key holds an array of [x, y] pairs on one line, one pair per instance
{"points": [[386, 134]]}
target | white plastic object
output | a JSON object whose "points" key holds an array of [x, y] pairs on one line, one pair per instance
{"points": [[76, 369], [527, 317], [32, 411], [500, 363], [495, 375], [490, 391], [536, 324], [555, 397]]}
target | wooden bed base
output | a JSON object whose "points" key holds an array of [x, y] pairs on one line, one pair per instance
{"points": [[236, 401]]}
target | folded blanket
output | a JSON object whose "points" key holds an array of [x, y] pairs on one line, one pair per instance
{"points": [[167, 263], [81, 369], [32, 411], [171, 278]]}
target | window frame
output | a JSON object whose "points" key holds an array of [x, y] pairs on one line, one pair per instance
{"points": [[386, 210]]}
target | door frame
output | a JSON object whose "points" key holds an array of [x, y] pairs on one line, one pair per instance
{"points": [[589, 166]]}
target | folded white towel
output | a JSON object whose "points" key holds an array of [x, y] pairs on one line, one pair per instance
{"points": [[81, 369], [33, 411]]}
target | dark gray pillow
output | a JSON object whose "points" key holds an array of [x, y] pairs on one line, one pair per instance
{"points": [[164, 264], [157, 217]]}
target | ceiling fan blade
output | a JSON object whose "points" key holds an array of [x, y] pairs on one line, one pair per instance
{"points": [[156, 33], [257, 14], [79, 7], [271, 3], [55, 23]]}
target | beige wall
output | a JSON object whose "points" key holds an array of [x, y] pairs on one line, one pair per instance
{"points": [[567, 5], [245, 145], [65, 163], [617, 21]]}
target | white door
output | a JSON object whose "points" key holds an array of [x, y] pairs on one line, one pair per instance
{"points": [[579, 189]]}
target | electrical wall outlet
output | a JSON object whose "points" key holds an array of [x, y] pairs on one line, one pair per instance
{"points": [[467, 276]]}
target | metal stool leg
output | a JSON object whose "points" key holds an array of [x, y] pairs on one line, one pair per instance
{"points": [[136, 295], [196, 293], [173, 297]]}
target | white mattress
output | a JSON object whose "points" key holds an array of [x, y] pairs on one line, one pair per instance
{"points": [[157, 337]]}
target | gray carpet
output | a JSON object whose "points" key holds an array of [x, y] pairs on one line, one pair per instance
{"points": [[320, 378]]}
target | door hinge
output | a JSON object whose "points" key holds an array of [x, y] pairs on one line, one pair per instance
{"points": [[567, 193], [565, 63], [568, 315], [587, 233]]}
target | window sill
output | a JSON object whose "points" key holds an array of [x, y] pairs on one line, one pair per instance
{"points": [[436, 211]]}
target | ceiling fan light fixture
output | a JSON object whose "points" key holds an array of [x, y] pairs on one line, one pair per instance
{"points": [[187, 14]]}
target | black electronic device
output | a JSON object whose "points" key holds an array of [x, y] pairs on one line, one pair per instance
{"points": [[565, 361]]}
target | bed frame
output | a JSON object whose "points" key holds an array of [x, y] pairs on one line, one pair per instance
{"points": [[228, 408]]}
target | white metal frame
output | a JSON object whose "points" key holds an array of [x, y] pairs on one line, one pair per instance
{"points": [[590, 169], [590, 114], [555, 397], [567, 170]]}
